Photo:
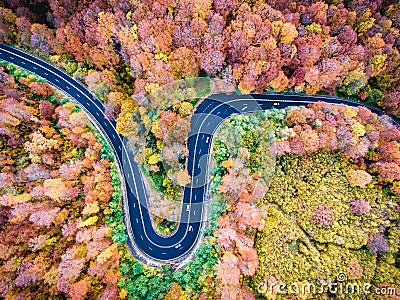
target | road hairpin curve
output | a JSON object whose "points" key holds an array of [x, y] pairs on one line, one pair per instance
{"points": [[145, 242]]}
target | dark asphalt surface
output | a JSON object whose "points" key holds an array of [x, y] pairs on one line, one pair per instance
{"points": [[208, 115]]}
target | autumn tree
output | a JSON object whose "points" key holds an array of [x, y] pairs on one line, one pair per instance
{"points": [[7, 23], [42, 89], [24, 31], [46, 109], [60, 195], [184, 63], [42, 39]]}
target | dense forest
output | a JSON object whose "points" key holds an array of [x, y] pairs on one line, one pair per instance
{"points": [[56, 186], [298, 194], [61, 226], [331, 206], [119, 48]]}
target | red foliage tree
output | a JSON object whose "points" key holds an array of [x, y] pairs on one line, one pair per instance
{"points": [[387, 170], [43, 89], [161, 128], [69, 269], [46, 109], [184, 63], [6, 180]]}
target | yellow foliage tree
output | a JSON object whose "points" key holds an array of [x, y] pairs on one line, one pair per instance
{"points": [[365, 22], [201, 8], [378, 63], [153, 159], [125, 125], [88, 222], [288, 33], [185, 108], [314, 28], [280, 82], [358, 129], [107, 254]]}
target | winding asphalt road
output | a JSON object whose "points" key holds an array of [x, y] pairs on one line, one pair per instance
{"points": [[209, 114]]}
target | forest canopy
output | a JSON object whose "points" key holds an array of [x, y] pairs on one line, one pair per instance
{"points": [[119, 48], [333, 204]]}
